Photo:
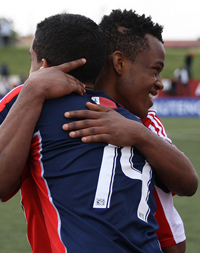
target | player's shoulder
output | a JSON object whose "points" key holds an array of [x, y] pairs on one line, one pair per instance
{"points": [[152, 114], [152, 118], [154, 123], [101, 98], [10, 96]]}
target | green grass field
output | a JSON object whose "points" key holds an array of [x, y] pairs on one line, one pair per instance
{"points": [[17, 59], [185, 133]]}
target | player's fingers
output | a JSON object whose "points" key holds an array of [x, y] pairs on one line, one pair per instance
{"points": [[73, 80], [104, 138], [76, 86], [96, 107], [93, 133], [69, 66], [81, 124], [79, 90], [82, 114]]}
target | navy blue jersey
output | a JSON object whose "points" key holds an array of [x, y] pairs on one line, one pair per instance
{"points": [[93, 197]]}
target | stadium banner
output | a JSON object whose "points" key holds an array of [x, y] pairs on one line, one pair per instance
{"points": [[177, 107]]}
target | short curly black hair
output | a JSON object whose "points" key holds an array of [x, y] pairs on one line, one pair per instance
{"points": [[126, 31], [66, 37]]}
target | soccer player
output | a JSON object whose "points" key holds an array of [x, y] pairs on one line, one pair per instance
{"points": [[64, 181], [125, 34]]}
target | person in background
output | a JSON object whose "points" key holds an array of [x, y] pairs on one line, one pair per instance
{"points": [[4, 72], [182, 80], [188, 64]]}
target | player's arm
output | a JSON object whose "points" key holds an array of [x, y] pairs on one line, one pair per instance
{"points": [[172, 239], [106, 125], [177, 248], [17, 129]]}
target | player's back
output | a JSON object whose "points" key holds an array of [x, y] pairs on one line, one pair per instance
{"points": [[94, 196]]}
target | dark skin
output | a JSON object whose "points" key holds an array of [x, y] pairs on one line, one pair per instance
{"points": [[177, 248]]}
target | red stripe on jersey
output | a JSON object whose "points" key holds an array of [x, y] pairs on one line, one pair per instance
{"points": [[153, 122], [36, 230], [146, 121], [164, 234], [51, 217], [9, 97], [157, 122]]}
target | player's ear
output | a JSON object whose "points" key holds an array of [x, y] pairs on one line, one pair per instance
{"points": [[45, 64], [118, 62]]}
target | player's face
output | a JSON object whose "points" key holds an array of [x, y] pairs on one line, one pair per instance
{"points": [[35, 65], [141, 81]]}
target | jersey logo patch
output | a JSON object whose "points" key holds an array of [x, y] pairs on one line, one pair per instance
{"points": [[100, 202]]}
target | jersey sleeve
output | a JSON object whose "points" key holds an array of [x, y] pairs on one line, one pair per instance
{"points": [[7, 101], [171, 228], [5, 104], [153, 122]]}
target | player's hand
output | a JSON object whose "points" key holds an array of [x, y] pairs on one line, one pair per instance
{"points": [[101, 124], [54, 82]]}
